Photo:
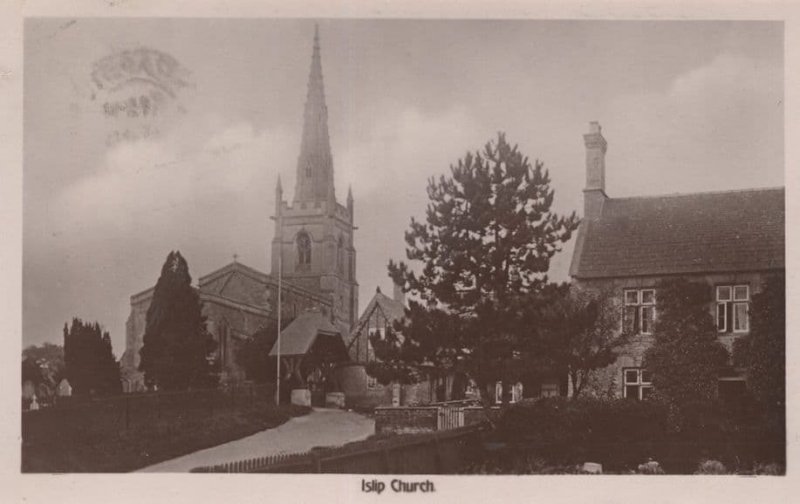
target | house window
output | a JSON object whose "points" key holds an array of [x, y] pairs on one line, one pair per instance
{"points": [[303, 248], [637, 383], [549, 390], [640, 311], [733, 308], [372, 382], [516, 392]]}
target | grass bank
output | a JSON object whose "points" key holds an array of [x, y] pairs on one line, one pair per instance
{"points": [[102, 437]]}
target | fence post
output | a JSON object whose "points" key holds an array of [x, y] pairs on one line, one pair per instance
{"points": [[317, 462]]}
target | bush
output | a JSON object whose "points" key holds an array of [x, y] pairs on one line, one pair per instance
{"points": [[620, 433], [711, 467]]}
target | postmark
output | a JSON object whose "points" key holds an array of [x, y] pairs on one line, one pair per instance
{"points": [[138, 91]]}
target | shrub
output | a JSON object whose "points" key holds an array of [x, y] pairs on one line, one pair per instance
{"points": [[650, 467], [620, 433], [711, 467], [772, 469]]}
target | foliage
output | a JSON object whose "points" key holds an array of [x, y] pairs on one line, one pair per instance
{"points": [[711, 467], [399, 358], [579, 330], [763, 351], [90, 365], [253, 354], [484, 251], [686, 355], [177, 349], [621, 433], [50, 359]]}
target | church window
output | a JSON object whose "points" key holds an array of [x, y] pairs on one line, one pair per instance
{"points": [[303, 248], [308, 169], [340, 255]]}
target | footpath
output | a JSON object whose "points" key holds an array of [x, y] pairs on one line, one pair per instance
{"points": [[321, 427]]}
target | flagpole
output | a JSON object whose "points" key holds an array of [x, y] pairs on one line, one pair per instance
{"points": [[280, 289]]}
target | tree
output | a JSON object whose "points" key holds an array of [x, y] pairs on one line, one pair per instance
{"points": [[253, 354], [686, 355], [90, 364], [177, 349], [763, 351], [398, 358], [484, 250], [50, 358], [580, 331]]}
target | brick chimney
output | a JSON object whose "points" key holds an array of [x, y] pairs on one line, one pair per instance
{"points": [[594, 194]]}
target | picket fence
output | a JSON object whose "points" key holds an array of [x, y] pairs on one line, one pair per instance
{"points": [[430, 453]]}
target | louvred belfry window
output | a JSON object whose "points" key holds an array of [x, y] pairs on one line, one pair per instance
{"points": [[733, 308], [303, 248], [640, 311]]}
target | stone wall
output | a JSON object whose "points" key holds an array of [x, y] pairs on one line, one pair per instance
{"points": [[477, 414], [608, 382], [406, 420]]}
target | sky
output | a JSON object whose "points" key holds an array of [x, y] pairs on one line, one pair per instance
{"points": [[685, 106]]}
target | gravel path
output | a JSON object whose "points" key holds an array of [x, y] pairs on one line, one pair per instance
{"points": [[321, 427]]}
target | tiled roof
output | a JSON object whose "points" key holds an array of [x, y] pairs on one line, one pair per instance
{"points": [[391, 308], [299, 336], [686, 233]]}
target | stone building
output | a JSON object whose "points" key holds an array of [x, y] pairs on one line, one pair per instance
{"points": [[731, 240], [364, 390], [312, 246]]}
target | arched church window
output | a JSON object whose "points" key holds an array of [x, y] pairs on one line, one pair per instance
{"points": [[308, 169], [340, 254], [303, 248]]}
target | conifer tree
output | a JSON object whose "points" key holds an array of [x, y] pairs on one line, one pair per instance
{"points": [[90, 365], [484, 252], [177, 348], [579, 329]]}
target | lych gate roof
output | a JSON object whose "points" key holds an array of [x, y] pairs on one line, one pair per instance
{"points": [[679, 234], [299, 336]]}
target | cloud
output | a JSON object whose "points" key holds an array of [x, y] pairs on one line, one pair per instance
{"points": [[725, 114], [140, 179]]}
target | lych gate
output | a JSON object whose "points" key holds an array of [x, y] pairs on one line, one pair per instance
{"points": [[311, 348]]}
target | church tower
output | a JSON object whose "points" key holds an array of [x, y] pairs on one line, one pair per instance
{"points": [[314, 235]]}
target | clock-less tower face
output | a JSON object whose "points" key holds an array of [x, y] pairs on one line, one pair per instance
{"points": [[314, 235]]}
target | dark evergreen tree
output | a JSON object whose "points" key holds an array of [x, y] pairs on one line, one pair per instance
{"points": [[398, 359], [177, 349], [579, 329], [686, 355], [90, 365], [763, 351], [484, 250]]}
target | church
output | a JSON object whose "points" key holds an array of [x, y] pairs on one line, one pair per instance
{"points": [[312, 248]]}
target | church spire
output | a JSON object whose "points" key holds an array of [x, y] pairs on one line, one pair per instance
{"points": [[315, 163]]}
